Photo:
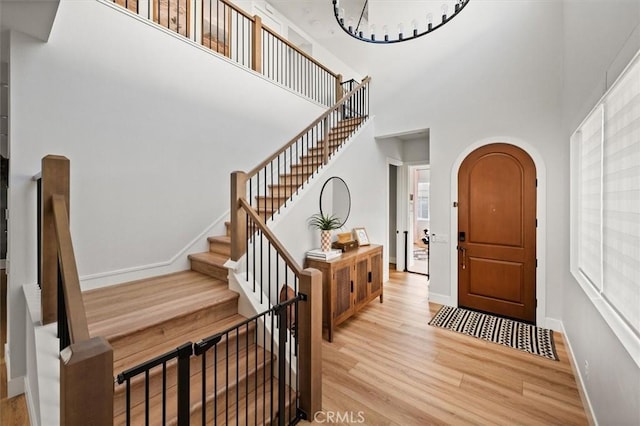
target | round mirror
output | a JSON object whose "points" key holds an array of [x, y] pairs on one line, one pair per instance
{"points": [[335, 199]]}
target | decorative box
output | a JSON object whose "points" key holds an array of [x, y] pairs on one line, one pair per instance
{"points": [[345, 246]]}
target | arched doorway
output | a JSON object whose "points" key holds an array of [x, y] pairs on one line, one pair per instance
{"points": [[497, 232]]}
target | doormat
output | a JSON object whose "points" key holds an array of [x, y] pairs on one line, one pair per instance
{"points": [[506, 332]]}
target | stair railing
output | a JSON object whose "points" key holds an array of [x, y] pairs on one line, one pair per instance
{"points": [[228, 30], [86, 364], [271, 184]]}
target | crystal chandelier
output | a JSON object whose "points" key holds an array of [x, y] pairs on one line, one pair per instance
{"points": [[356, 30]]}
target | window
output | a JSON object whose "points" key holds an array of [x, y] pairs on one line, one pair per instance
{"points": [[423, 201], [605, 181]]}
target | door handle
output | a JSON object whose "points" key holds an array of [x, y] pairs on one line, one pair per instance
{"points": [[464, 257]]}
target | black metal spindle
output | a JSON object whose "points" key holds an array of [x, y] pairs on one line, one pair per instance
{"points": [[164, 393], [204, 387], [282, 337], [128, 402], [146, 398], [39, 230], [63, 320], [237, 375]]}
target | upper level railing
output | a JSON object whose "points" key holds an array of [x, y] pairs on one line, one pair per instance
{"points": [[228, 30], [86, 367]]}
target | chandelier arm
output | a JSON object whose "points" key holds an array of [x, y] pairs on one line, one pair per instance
{"points": [[362, 14], [431, 28]]}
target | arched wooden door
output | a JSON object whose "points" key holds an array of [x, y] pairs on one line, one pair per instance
{"points": [[497, 232]]}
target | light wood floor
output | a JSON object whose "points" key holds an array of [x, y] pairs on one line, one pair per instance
{"points": [[386, 366], [13, 411]]}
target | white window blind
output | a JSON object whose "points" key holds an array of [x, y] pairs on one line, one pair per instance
{"points": [[590, 197], [621, 197], [606, 213]]}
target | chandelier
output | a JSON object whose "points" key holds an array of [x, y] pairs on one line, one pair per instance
{"points": [[356, 30]]}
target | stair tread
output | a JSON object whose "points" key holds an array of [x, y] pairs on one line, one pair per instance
{"points": [[145, 354], [257, 406], [110, 302], [256, 358], [139, 318], [241, 370], [210, 258], [225, 239]]}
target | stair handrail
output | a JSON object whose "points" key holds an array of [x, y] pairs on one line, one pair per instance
{"points": [[86, 363], [309, 327], [317, 121], [262, 226]]}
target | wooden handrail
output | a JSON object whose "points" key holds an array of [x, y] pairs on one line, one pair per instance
{"points": [[237, 9], [77, 317], [338, 104], [289, 260], [297, 49]]}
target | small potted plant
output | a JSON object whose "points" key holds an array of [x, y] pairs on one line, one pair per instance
{"points": [[325, 223]]}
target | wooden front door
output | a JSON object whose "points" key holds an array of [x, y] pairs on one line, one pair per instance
{"points": [[497, 232]]}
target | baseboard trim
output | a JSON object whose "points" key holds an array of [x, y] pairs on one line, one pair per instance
{"points": [[441, 299], [554, 324], [16, 386], [179, 262], [582, 390]]}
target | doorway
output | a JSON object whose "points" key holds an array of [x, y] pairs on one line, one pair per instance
{"points": [[419, 220], [497, 232]]}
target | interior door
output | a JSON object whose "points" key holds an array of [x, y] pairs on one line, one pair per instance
{"points": [[497, 232]]}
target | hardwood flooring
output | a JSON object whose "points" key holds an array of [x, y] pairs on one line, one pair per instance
{"points": [[386, 366], [13, 411]]}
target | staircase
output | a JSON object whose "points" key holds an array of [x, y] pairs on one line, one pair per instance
{"points": [[147, 318]]}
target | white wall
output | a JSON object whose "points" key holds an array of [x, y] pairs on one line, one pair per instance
{"points": [[492, 73], [152, 127], [600, 38]]}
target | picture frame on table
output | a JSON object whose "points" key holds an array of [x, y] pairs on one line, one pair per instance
{"points": [[361, 236]]}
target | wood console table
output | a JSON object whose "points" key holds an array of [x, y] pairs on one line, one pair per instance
{"points": [[349, 282]]}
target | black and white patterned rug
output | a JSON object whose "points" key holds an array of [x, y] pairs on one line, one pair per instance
{"points": [[515, 334]]}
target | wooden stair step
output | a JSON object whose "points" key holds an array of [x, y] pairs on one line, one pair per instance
{"points": [[240, 349], [257, 408], [220, 244], [318, 151], [301, 168], [312, 158], [352, 120], [293, 178], [145, 312], [245, 337], [255, 361], [269, 203], [112, 301], [147, 352], [284, 190], [211, 264]]}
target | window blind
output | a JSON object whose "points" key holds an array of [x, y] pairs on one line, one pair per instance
{"points": [[621, 197], [590, 199]]}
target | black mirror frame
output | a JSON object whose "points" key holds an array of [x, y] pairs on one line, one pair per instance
{"points": [[348, 193]]}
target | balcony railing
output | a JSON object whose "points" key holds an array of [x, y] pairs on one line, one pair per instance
{"points": [[229, 31]]}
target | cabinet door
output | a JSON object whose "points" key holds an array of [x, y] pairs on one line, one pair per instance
{"points": [[376, 274], [342, 298], [361, 286]]}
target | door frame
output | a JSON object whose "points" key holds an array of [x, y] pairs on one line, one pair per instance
{"points": [[541, 208]]}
